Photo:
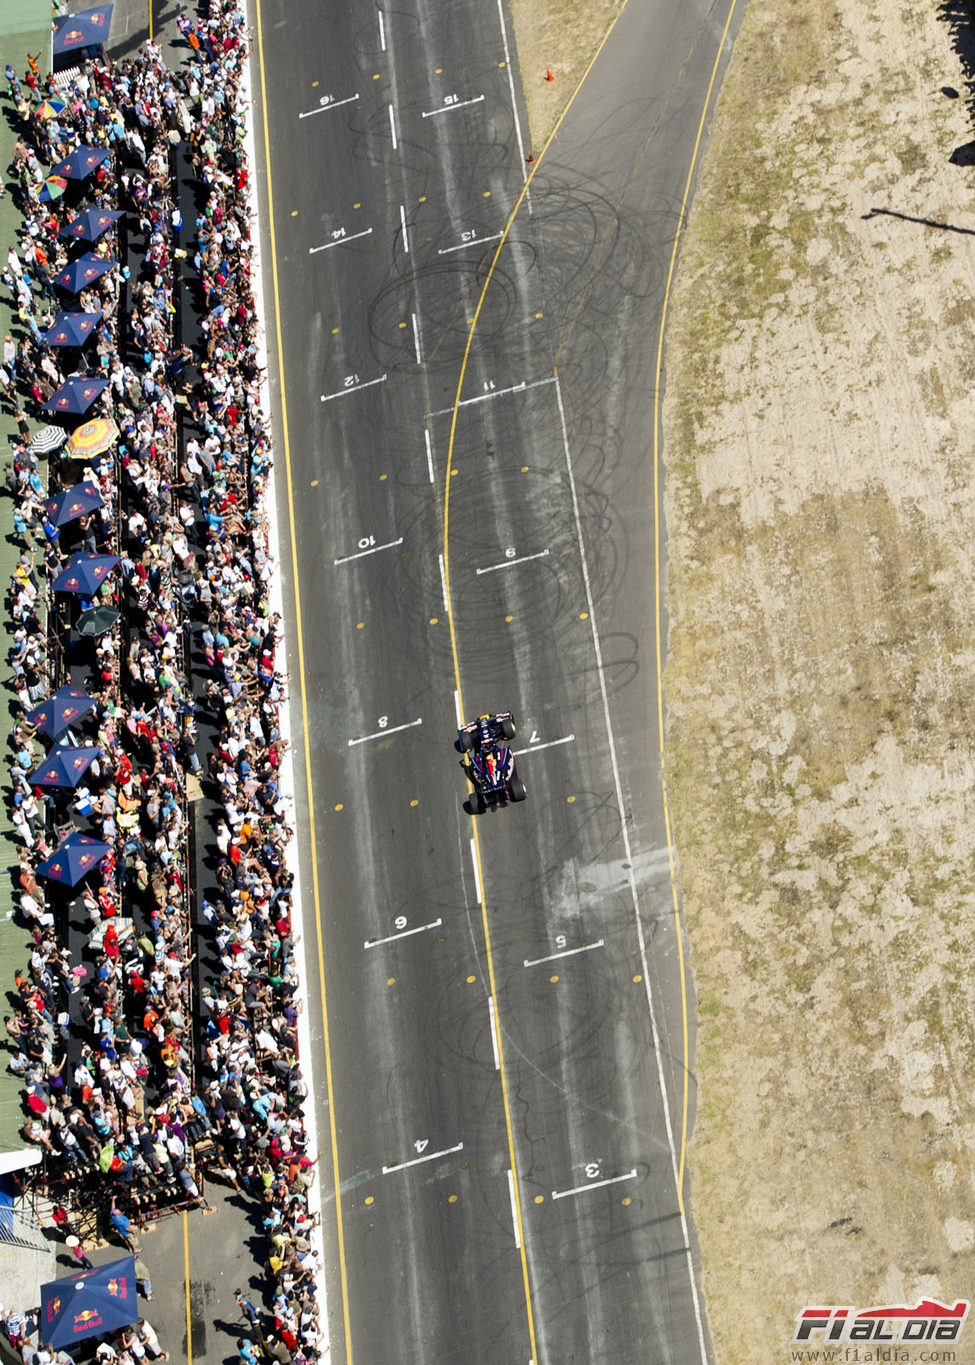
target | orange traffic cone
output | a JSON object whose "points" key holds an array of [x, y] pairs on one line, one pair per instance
{"points": [[549, 76]]}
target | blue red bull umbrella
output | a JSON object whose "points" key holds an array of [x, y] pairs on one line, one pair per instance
{"points": [[66, 706], [84, 28], [89, 1303], [81, 162], [73, 503], [64, 767], [75, 395], [73, 859], [82, 272], [85, 573], [72, 329], [90, 225]]}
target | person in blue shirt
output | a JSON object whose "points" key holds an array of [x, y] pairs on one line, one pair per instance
{"points": [[122, 1225]]}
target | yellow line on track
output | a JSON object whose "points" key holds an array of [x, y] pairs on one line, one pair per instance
{"points": [[456, 661], [299, 633], [186, 1283], [657, 603], [512, 1155]]}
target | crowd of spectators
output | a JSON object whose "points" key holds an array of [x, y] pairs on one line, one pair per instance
{"points": [[135, 1087]]}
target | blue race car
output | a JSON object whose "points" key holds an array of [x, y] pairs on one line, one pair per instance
{"points": [[488, 761]]}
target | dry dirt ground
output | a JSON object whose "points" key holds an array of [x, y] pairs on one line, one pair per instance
{"points": [[820, 433], [819, 444]]}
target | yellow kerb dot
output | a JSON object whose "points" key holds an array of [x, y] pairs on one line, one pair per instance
{"points": [[314, 85], [376, 76], [422, 200], [314, 483], [570, 799], [539, 1199], [627, 1202], [391, 981], [294, 213], [369, 1199], [451, 1199], [402, 325], [464, 1165], [471, 980], [487, 194], [509, 619], [339, 805], [524, 469], [501, 64], [637, 979], [357, 206], [433, 620], [439, 70], [360, 625], [453, 473], [335, 331], [583, 616], [414, 802], [441, 939], [383, 478], [539, 315], [553, 979]]}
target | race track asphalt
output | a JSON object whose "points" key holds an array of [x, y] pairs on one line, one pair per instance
{"points": [[501, 1061]]}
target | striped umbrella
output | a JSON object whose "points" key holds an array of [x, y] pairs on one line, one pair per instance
{"points": [[48, 439]]}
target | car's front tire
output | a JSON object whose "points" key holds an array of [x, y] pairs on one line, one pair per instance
{"points": [[517, 789], [508, 729]]}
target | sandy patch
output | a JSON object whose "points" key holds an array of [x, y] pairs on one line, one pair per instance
{"points": [[821, 520]]}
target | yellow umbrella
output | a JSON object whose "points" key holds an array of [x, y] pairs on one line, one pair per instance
{"points": [[91, 439]]}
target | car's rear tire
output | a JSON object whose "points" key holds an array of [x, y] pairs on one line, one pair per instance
{"points": [[517, 789], [477, 803], [466, 740], [508, 728]]}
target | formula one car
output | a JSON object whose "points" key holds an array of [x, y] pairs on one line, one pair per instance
{"points": [[489, 763]]}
